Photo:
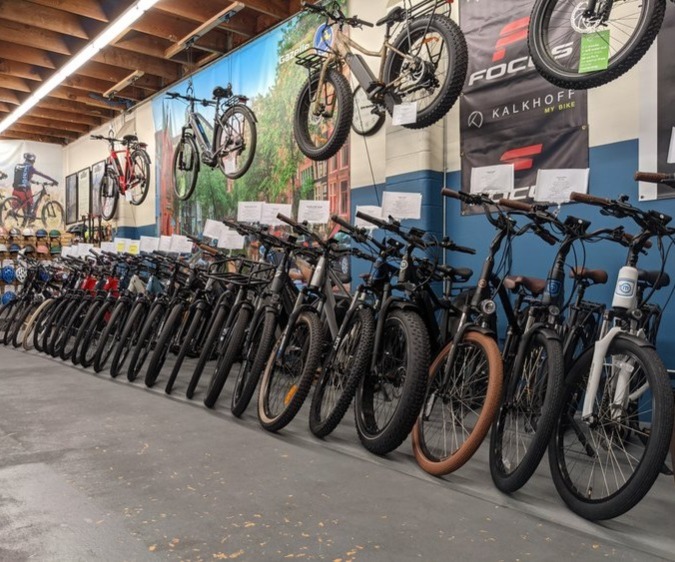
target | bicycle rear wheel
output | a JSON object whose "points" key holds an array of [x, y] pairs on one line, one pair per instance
{"points": [[139, 182], [603, 466], [238, 140], [12, 214], [53, 216], [111, 335]]}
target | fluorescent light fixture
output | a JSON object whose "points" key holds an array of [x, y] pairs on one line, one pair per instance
{"points": [[109, 34]]}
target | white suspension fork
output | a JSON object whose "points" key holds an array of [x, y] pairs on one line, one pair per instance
{"points": [[599, 354]]}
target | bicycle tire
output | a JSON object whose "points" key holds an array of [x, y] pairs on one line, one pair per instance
{"points": [[193, 167], [307, 362], [249, 119], [547, 64], [23, 322], [384, 436], [251, 369], [186, 346], [57, 328], [41, 312], [13, 322], [72, 329], [142, 155], [151, 328], [86, 329], [91, 340], [584, 498], [12, 213], [109, 191], [528, 413], [207, 352], [171, 327], [131, 330], [109, 338], [343, 123], [43, 325], [53, 216], [344, 372], [458, 60]]}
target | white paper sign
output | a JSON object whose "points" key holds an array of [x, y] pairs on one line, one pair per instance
{"points": [[314, 212], [231, 163], [66, 251], [404, 113], [121, 245], [556, 186], [149, 244], [231, 240], [213, 229], [83, 250], [249, 211], [371, 210], [108, 247], [165, 243], [671, 152], [401, 205], [271, 210], [180, 244], [498, 179]]}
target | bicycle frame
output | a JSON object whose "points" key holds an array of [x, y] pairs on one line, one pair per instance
{"points": [[123, 174]]}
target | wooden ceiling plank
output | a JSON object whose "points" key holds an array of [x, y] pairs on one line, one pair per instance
{"points": [[99, 86], [74, 106], [115, 74], [24, 128], [30, 36], [9, 96], [32, 137], [20, 70], [59, 125], [137, 61], [274, 8], [195, 10], [146, 44], [72, 94], [88, 8], [67, 116], [43, 17], [27, 55], [14, 83]]}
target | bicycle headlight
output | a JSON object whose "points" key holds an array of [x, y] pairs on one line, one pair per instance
{"points": [[554, 310], [488, 307]]}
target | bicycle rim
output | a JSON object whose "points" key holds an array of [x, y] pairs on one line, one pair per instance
{"points": [[237, 143], [139, 179], [185, 169]]}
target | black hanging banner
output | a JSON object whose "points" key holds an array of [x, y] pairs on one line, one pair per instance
{"points": [[666, 99], [509, 113]]}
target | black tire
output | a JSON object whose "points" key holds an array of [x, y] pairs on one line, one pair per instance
{"points": [[40, 314], [404, 334], [417, 37], [93, 337], [6, 311], [342, 374], [185, 167], [186, 347], [336, 89], [12, 323], [252, 367], [53, 216], [130, 334], [164, 344], [368, 118], [87, 328], [59, 335], [67, 343], [578, 340], [549, 59], [212, 341], [139, 185], [581, 453], [528, 413], [109, 193], [111, 335], [43, 325], [241, 121], [287, 380], [146, 340], [231, 352]]}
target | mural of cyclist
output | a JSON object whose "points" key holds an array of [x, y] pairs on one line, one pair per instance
{"points": [[23, 174]]}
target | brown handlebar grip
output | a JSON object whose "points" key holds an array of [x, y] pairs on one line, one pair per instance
{"points": [[653, 177], [516, 205], [451, 193], [589, 199]]}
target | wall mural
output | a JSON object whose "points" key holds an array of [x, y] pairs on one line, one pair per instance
{"points": [[265, 72], [31, 185], [666, 103]]}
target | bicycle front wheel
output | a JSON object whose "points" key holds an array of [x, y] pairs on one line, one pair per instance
{"points": [[460, 405], [12, 214], [560, 29], [185, 168], [139, 181], [603, 465], [108, 194], [238, 140], [53, 216]]}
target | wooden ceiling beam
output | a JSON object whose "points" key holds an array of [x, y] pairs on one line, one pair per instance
{"points": [[30, 36], [20, 70], [14, 83], [9, 96], [23, 128], [275, 8], [167, 26], [72, 94], [32, 137], [27, 55], [54, 124], [67, 116], [76, 107], [91, 9], [114, 74], [100, 86], [42, 17], [137, 61], [142, 43]]}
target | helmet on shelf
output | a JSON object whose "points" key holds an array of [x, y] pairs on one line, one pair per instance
{"points": [[8, 274], [14, 233], [14, 249], [55, 250], [28, 249], [54, 233], [3, 232], [41, 233], [28, 232], [29, 156], [8, 297], [3, 248], [42, 249], [21, 274]]}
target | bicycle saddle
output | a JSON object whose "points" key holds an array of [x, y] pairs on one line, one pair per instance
{"points": [[654, 279], [460, 274], [533, 284], [396, 15], [598, 276], [130, 138], [220, 92]]}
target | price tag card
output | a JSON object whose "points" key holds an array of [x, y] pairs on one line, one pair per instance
{"points": [[499, 179], [121, 245], [83, 250], [180, 244], [556, 186], [401, 205], [66, 251], [128, 196], [314, 212], [231, 240], [165, 243], [149, 244], [372, 210], [134, 247], [213, 229], [404, 113], [108, 247], [231, 163], [671, 152], [594, 52], [271, 210], [249, 211]]}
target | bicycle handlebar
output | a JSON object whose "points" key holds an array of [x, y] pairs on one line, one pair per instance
{"points": [[191, 99], [589, 199], [517, 205], [655, 177], [338, 16]]}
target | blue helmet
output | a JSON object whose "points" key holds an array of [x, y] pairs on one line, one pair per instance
{"points": [[8, 297], [8, 274]]}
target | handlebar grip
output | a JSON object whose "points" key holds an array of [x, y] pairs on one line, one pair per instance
{"points": [[287, 220], [589, 199], [547, 237], [654, 178], [343, 223], [516, 205], [451, 193], [377, 222], [464, 250]]}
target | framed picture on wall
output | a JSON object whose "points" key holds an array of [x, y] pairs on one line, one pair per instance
{"points": [[83, 192], [97, 171], [71, 199]]}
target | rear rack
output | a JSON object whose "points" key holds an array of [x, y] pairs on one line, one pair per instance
{"points": [[312, 59], [424, 7]]}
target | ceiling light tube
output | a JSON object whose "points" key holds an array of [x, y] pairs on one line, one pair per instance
{"points": [[109, 34]]}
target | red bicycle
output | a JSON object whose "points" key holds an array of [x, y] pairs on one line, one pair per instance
{"points": [[131, 180]]}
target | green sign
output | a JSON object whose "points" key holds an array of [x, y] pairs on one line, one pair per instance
{"points": [[594, 52]]}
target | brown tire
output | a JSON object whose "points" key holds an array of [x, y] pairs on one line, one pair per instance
{"points": [[473, 399]]}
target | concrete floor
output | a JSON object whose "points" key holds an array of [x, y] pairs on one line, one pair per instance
{"points": [[95, 469]]}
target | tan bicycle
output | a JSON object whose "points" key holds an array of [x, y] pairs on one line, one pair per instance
{"points": [[424, 67]]}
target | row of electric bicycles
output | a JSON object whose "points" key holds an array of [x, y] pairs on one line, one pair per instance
{"points": [[414, 348]]}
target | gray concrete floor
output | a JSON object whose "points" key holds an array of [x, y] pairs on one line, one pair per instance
{"points": [[95, 469]]}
